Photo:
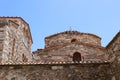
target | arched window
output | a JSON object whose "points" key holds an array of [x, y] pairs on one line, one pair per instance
{"points": [[13, 46], [73, 40], [76, 57], [24, 58]]}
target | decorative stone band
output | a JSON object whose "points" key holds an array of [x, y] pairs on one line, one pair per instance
{"points": [[54, 62]]}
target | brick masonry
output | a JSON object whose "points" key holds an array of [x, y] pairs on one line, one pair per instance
{"points": [[62, 46], [56, 72], [16, 42]]}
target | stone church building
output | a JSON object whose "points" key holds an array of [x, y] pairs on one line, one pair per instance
{"points": [[68, 55]]}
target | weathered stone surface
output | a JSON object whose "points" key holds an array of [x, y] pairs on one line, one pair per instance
{"points": [[15, 39], [114, 56], [65, 53], [56, 72], [71, 36], [63, 46]]}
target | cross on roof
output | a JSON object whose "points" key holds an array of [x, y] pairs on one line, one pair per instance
{"points": [[70, 28]]}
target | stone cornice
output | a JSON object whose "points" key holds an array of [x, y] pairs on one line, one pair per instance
{"points": [[55, 63]]}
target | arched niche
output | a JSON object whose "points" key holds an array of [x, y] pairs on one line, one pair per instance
{"points": [[76, 57], [73, 40]]}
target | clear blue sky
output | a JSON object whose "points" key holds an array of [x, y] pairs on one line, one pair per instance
{"points": [[46, 17]]}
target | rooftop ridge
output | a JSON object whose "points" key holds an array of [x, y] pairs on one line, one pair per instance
{"points": [[14, 17], [114, 38], [54, 62], [71, 32], [9, 16]]}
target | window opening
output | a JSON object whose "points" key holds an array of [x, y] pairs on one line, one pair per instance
{"points": [[76, 57], [73, 40]]}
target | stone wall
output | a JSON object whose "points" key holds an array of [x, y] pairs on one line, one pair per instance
{"points": [[65, 53], [62, 46], [113, 56], [2, 36], [17, 42], [69, 37], [95, 71]]}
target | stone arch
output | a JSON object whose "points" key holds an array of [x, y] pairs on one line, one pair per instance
{"points": [[76, 57]]}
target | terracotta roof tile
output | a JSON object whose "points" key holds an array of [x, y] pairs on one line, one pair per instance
{"points": [[55, 62]]}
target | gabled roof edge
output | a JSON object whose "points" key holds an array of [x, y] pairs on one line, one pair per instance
{"points": [[114, 38]]}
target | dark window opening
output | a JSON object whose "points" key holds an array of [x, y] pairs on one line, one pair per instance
{"points": [[76, 57], [13, 46], [24, 58], [73, 40]]}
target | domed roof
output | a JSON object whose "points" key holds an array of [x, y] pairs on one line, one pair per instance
{"points": [[72, 32]]}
